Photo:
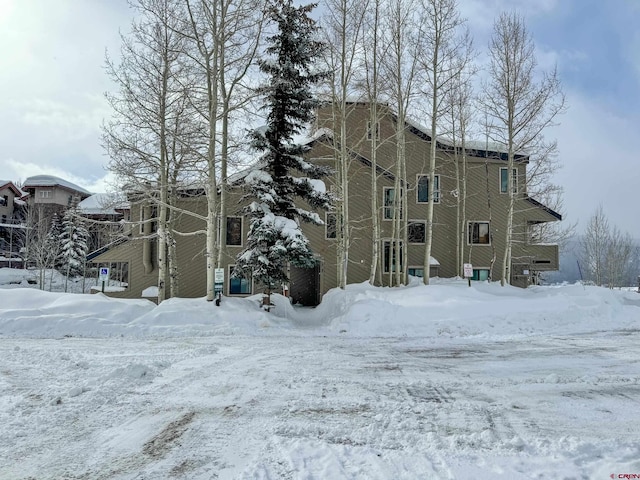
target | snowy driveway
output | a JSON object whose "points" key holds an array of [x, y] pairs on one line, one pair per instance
{"points": [[314, 407]]}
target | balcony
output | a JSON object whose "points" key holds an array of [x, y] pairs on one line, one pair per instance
{"points": [[539, 257]]}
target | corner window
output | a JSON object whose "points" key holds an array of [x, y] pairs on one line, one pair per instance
{"points": [[504, 180], [330, 223], [416, 271], [391, 259], [239, 285], [479, 233], [371, 132], [234, 231], [390, 203], [480, 274], [416, 232], [423, 189]]}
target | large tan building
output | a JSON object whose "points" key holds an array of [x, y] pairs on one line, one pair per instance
{"points": [[484, 227]]}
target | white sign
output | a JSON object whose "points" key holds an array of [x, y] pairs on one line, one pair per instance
{"points": [[468, 270], [104, 274], [218, 275]]}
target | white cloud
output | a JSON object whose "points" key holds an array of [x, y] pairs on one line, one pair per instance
{"points": [[19, 171], [68, 122], [481, 13], [598, 150]]}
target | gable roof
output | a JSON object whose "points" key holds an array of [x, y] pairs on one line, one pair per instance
{"points": [[551, 212], [9, 184], [53, 181], [474, 147]]}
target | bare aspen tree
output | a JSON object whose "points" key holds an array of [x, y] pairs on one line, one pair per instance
{"points": [[342, 27], [519, 106], [372, 58], [442, 58], [619, 256], [607, 253], [225, 37], [400, 67], [460, 105], [148, 114], [594, 246]]}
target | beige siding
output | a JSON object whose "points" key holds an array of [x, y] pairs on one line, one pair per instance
{"points": [[483, 177]]}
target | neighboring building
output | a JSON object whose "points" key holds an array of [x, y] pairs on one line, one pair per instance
{"points": [[484, 228], [48, 195], [12, 224], [106, 214]]}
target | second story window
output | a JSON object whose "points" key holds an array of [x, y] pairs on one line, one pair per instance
{"points": [[423, 195], [504, 180], [479, 233], [373, 131], [330, 224], [390, 203], [234, 231], [45, 193]]}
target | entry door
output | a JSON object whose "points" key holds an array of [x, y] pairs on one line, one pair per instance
{"points": [[305, 285]]}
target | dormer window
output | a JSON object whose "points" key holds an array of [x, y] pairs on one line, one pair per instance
{"points": [[371, 132]]}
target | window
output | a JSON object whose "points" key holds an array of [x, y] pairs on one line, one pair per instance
{"points": [[152, 219], [154, 216], [480, 274], [239, 285], [330, 224], [370, 131], [234, 231], [416, 232], [4, 201], [416, 271], [504, 180], [479, 233], [389, 256], [423, 189], [45, 193], [389, 202]]}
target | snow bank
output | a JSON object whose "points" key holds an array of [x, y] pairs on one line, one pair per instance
{"points": [[449, 309], [453, 309]]}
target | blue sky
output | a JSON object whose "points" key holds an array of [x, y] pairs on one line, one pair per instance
{"points": [[52, 85]]}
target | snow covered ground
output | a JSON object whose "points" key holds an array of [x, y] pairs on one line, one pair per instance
{"points": [[419, 382]]}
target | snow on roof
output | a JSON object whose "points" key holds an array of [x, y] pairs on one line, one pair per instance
{"points": [[103, 204], [52, 181], [470, 144], [10, 184]]}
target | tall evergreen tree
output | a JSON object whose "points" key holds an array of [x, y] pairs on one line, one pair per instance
{"points": [[53, 240], [275, 238], [73, 244]]}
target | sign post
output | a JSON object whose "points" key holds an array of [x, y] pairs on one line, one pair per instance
{"points": [[103, 276], [468, 271], [218, 278]]}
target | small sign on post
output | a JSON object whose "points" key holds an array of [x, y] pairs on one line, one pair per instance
{"points": [[103, 276], [218, 279], [468, 271]]}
